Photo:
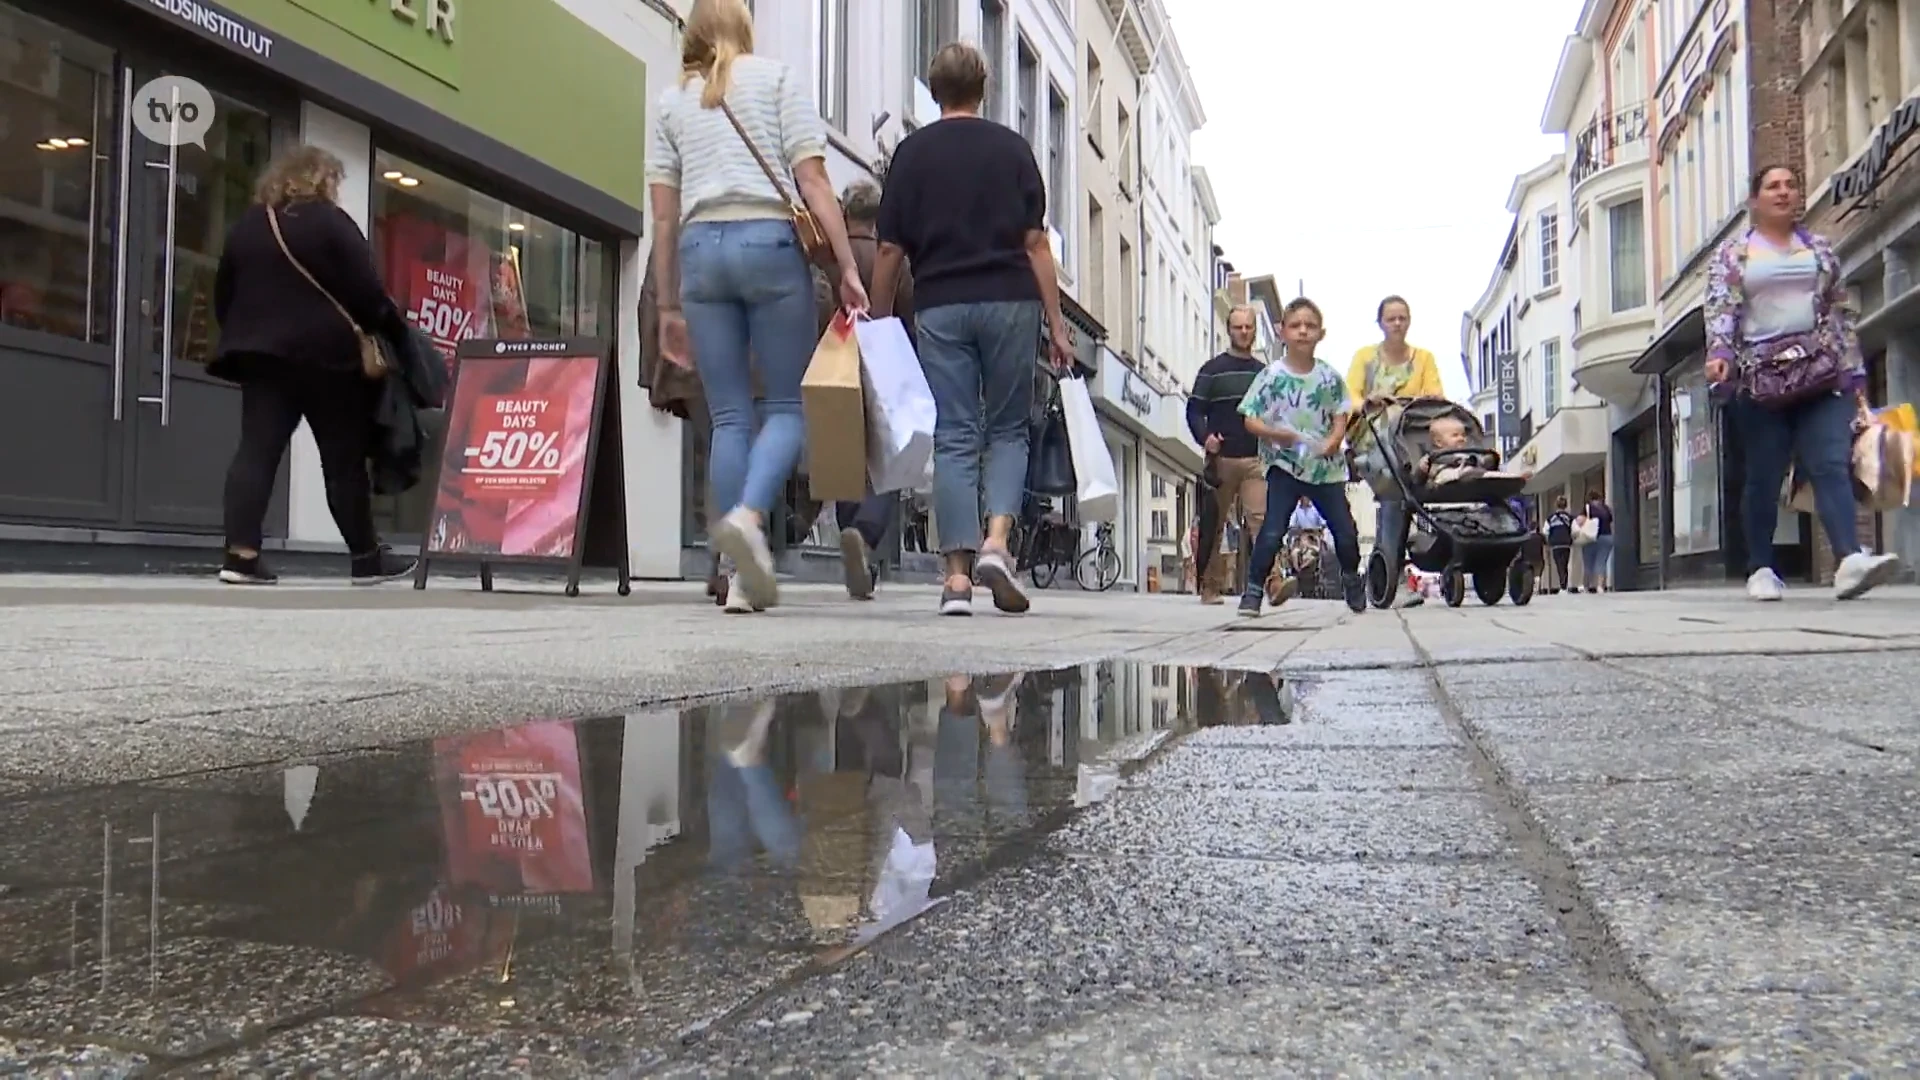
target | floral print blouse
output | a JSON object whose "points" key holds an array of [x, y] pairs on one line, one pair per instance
{"points": [[1726, 307]]}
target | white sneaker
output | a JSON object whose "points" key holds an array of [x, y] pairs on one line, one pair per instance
{"points": [[737, 602], [1766, 585], [739, 538], [1862, 571]]}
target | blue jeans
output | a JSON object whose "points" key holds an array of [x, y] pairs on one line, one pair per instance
{"points": [[1819, 435], [748, 298], [979, 361], [1597, 559], [1283, 494], [745, 805]]}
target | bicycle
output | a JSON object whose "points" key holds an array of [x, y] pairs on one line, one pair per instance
{"points": [[1101, 561]]}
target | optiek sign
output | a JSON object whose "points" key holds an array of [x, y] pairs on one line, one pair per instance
{"points": [[1507, 387]]}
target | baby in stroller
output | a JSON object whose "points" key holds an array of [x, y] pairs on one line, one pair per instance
{"points": [[1454, 458]]}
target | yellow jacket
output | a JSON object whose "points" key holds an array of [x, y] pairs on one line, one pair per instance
{"points": [[1424, 383]]}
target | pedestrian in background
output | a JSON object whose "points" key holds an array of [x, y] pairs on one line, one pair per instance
{"points": [[1233, 455], [1597, 559], [965, 204], [735, 290], [1560, 546], [865, 522], [294, 293]]}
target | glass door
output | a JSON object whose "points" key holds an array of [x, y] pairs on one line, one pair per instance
{"points": [[184, 195]]}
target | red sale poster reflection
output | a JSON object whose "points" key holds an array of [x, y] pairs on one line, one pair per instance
{"points": [[514, 811], [450, 931], [518, 431]]}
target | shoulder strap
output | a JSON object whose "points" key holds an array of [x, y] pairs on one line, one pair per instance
{"points": [[273, 219], [747, 139]]}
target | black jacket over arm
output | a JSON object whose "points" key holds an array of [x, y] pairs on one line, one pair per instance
{"points": [[267, 309]]}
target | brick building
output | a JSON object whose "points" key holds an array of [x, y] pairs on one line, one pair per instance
{"points": [[1857, 76]]}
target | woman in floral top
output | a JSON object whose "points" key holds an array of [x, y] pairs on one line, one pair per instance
{"points": [[1770, 287], [1298, 410]]}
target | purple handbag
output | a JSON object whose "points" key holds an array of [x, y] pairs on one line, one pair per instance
{"points": [[1789, 370]]}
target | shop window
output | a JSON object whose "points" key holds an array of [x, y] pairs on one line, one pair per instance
{"points": [[463, 264], [56, 219], [1696, 469]]}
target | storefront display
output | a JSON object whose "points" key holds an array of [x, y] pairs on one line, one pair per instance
{"points": [[111, 230], [464, 265], [1647, 493], [1696, 468]]}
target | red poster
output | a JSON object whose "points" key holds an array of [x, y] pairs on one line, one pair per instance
{"points": [[518, 431], [514, 811], [445, 933], [441, 279]]}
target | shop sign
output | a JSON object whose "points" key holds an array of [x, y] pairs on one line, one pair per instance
{"points": [[1507, 382], [1135, 397], [419, 33], [1858, 180], [216, 23]]}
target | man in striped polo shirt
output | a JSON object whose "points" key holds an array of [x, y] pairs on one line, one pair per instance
{"points": [[1233, 456]]}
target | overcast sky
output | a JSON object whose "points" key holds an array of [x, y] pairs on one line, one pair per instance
{"points": [[1367, 147]]}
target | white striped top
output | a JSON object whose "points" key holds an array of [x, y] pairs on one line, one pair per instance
{"points": [[697, 151]]}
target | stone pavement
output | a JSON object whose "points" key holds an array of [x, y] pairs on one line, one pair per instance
{"points": [[1669, 834]]}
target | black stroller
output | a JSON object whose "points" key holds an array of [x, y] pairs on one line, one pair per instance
{"points": [[1459, 530]]}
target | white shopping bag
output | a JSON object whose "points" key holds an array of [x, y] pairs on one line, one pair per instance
{"points": [[899, 406], [1098, 497]]}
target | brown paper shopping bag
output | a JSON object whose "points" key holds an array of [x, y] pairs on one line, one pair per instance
{"points": [[835, 409]]}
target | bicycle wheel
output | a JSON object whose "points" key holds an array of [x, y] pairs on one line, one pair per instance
{"points": [[1097, 570], [1044, 569]]}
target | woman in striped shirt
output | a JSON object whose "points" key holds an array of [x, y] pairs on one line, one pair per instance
{"points": [[735, 291]]}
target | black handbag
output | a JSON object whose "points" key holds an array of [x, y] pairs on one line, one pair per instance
{"points": [[1049, 456]]}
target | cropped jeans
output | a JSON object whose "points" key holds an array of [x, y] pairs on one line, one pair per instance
{"points": [[1817, 433], [748, 299], [979, 361]]}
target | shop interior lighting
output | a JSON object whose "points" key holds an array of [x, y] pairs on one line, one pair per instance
{"points": [[516, 226], [392, 174], [61, 144], [408, 181]]}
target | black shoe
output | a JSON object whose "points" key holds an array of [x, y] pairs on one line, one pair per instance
{"points": [[253, 571], [380, 565], [1250, 605], [1355, 588]]}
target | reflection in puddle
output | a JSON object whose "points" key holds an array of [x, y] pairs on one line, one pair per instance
{"points": [[478, 880]]}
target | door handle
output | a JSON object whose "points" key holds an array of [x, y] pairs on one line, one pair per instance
{"points": [[120, 251], [165, 398]]}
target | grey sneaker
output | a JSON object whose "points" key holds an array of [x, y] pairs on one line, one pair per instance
{"points": [[1250, 605], [956, 601], [855, 563], [991, 570]]}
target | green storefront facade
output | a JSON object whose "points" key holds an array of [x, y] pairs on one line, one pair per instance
{"points": [[494, 154]]}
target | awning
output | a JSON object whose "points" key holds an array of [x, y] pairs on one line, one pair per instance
{"points": [[1681, 339]]}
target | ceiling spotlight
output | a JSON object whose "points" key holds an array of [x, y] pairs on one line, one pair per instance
{"points": [[516, 226], [409, 181], [45, 146], [58, 144], [76, 142], [392, 174]]}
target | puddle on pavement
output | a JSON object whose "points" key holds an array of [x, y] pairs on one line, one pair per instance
{"points": [[617, 881]]}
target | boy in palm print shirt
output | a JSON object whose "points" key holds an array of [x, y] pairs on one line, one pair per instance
{"points": [[1298, 409]]}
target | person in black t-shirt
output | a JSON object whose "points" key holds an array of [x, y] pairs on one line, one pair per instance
{"points": [[965, 203], [1233, 456], [1560, 543]]}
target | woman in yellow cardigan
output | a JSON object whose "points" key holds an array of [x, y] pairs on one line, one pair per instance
{"points": [[1393, 368]]}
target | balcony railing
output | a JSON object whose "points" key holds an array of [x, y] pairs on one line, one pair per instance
{"points": [[1608, 141]]}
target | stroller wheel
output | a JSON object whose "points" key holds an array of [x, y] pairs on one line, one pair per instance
{"points": [[1453, 586], [1520, 583], [1383, 580], [1490, 587]]}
